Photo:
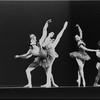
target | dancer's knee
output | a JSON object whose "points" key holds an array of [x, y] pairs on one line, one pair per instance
{"points": [[28, 70]]}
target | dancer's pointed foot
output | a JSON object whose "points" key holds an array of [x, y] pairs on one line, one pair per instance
{"points": [[28, 86], [78, 81], [55, 85], [84, 85], [96, 84], [46, 85]]}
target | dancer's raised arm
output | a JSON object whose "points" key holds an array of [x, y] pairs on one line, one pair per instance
{"points": [[59, 35], [44, 34], [25, 56], [80, 31]]}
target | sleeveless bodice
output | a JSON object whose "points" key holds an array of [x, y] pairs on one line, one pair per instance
{"points": [[79, 45]]}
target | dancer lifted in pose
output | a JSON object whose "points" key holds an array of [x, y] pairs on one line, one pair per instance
{"points": [[50, 45], [35, 50], [81, 56]]}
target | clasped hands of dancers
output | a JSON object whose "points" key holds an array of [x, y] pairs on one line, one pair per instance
{"points": [[45, 55]]}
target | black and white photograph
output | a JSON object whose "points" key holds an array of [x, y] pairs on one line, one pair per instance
{"points": [[49, 45]]}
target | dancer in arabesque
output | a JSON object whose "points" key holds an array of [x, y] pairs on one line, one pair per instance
{"points": [[50, 44]]}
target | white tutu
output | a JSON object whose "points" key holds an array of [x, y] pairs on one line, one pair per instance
{"points": [[80, 55]]}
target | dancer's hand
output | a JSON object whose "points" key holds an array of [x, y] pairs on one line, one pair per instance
{"points": [[49, 21], [77, 25], [16, 56]]}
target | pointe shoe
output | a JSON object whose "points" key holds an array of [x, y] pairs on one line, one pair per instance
{"points": [[96, 84], [28, 86], [78, 83], [84, 85], [55, 85], [46, 85]]}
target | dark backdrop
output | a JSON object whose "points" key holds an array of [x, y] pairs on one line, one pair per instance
{"points": [[19, 19]]}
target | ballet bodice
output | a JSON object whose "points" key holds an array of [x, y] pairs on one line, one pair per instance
{"points": [[79, 45], [34, 50], [37, 50]]}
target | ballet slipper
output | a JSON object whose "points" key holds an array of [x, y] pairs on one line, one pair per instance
{"points": [[55, 85], [84, 84], [96, 84], [78, 81], [28, 86], [46, 85]]}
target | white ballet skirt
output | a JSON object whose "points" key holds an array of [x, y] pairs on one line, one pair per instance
{"points": [[80, 55], [50, 58]]}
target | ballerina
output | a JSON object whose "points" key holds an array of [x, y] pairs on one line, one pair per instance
{"points": [[50, 45], [81, 56], [97, 66], [35, 50]]}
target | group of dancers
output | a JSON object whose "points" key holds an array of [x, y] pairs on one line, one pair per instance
{"points": [[81, 56], [45, 55]]}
